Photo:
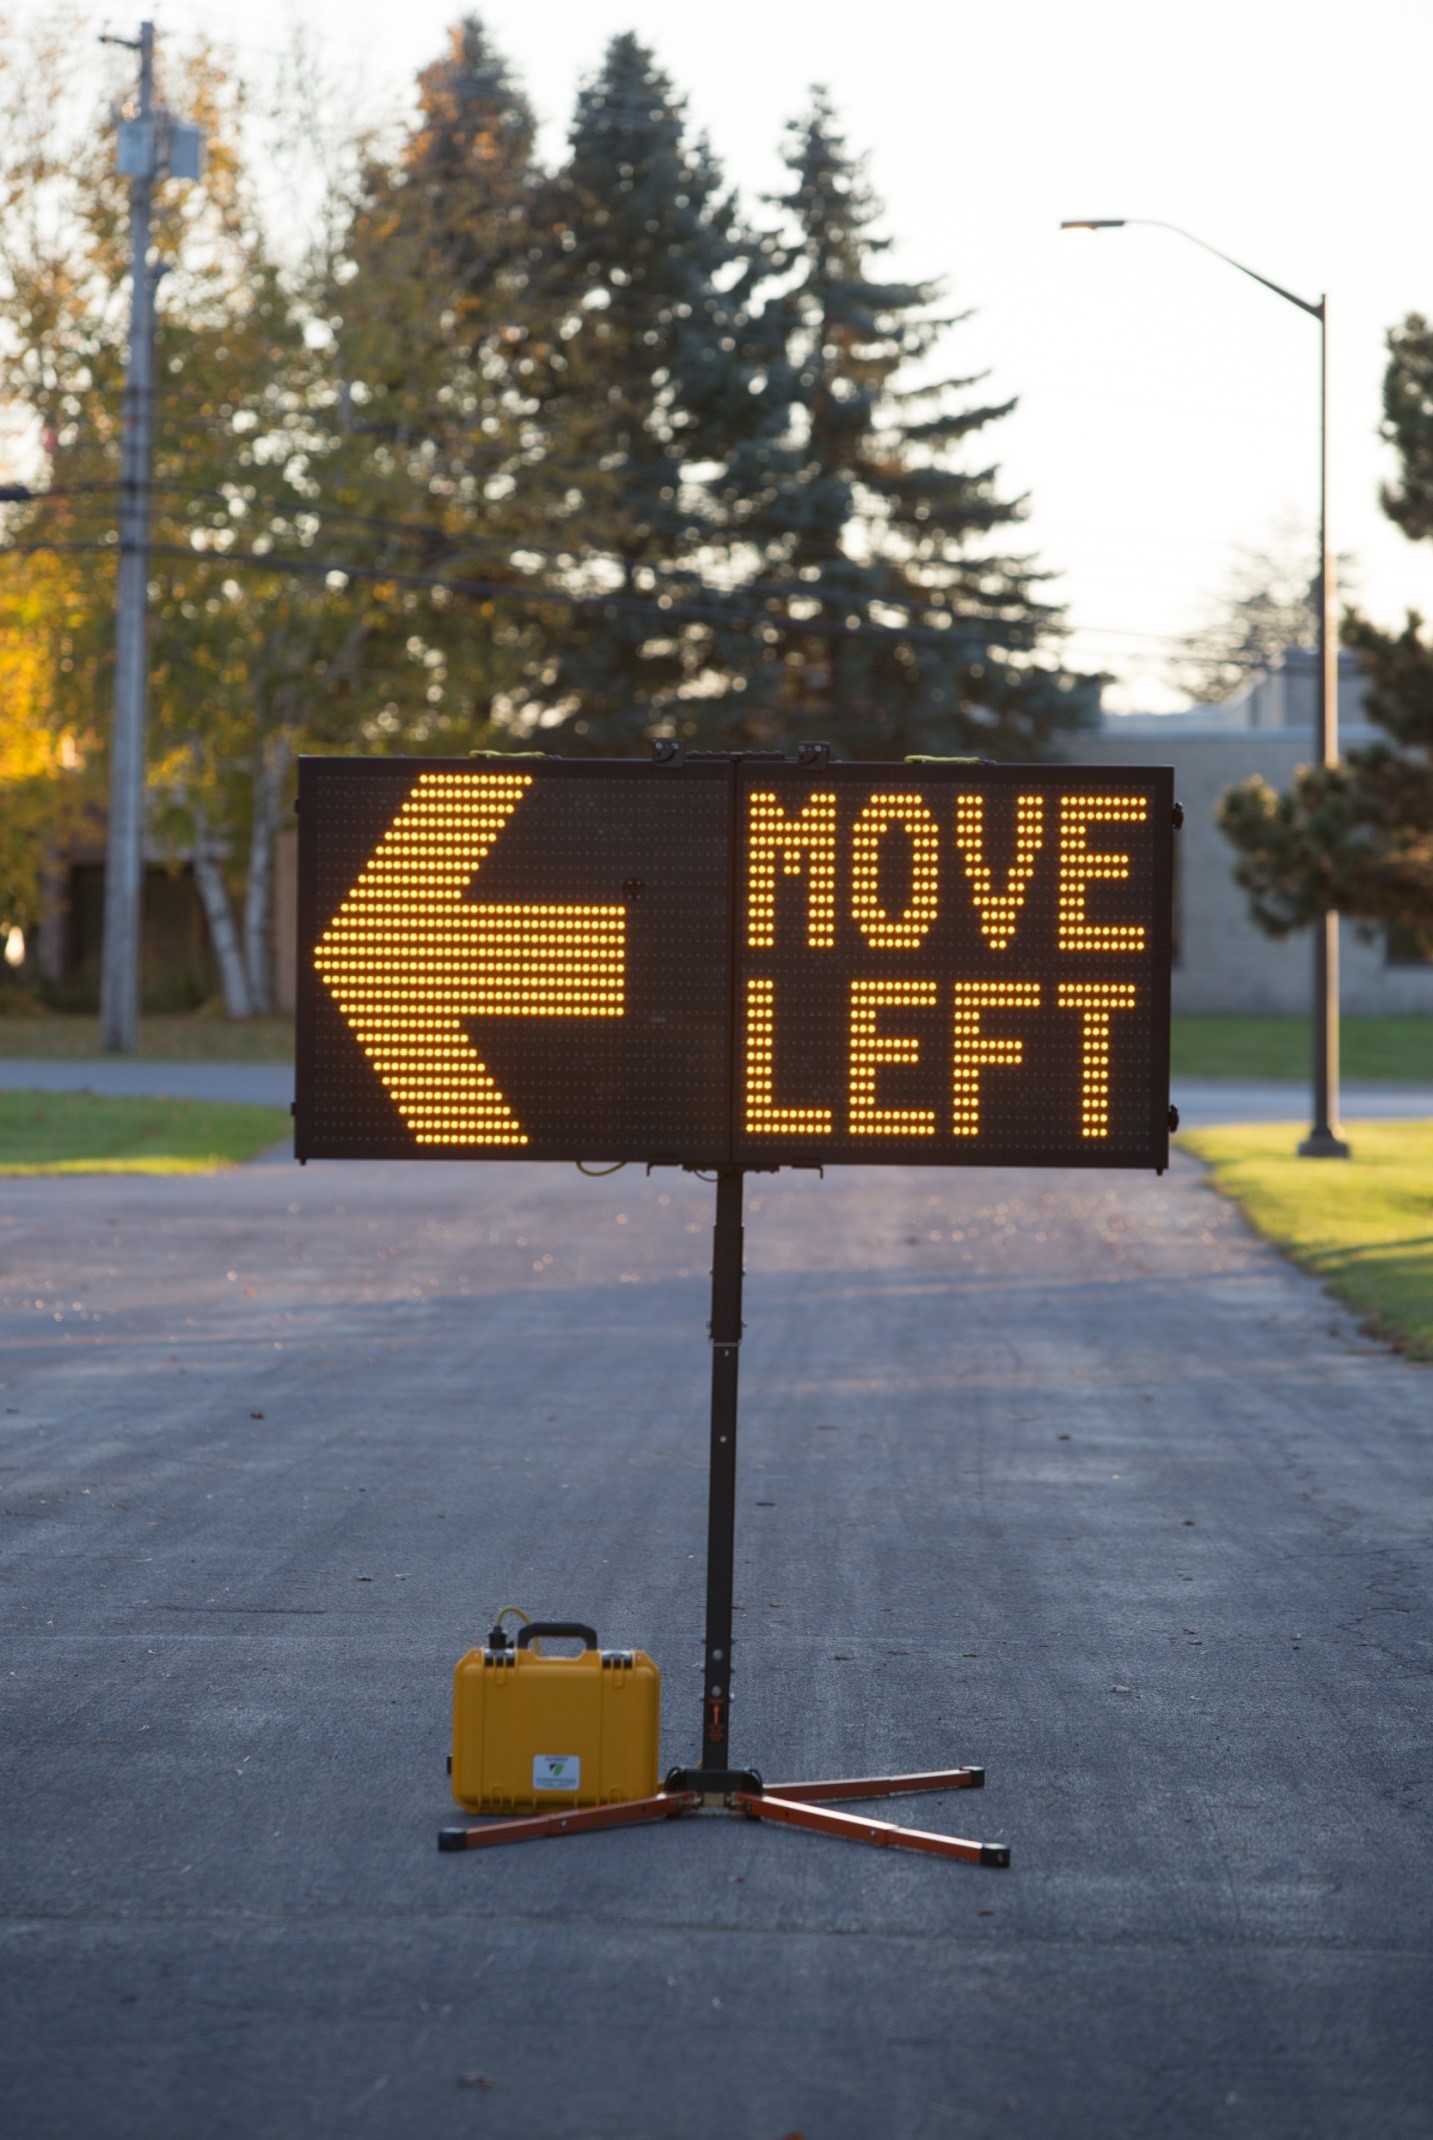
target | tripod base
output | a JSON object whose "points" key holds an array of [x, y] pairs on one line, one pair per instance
{"points": [[741, 1791], [717, 1787]]}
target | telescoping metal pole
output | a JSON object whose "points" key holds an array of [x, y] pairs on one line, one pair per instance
{"points": [[727, 1248], [124, 846]]}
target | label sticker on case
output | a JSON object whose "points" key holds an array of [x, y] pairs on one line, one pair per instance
{"points": [[556, 1772]]}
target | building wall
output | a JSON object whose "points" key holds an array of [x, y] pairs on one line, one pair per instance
{"points": [[1288, 696], [176, 963], [1225, 963]]}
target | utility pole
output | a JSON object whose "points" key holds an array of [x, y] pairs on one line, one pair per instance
{"points": [[152, 145], [124, 847]]}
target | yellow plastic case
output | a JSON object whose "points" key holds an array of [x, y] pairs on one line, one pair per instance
{"points": [[534, 1734]]}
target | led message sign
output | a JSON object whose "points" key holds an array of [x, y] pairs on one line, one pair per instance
{"points": [[953, 963], [513, 959], [734, 959]]}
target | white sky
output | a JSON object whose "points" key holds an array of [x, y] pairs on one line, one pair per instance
{"points": [[1168, 407]]}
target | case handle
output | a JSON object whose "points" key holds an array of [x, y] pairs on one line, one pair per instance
{"points": [[577, 1629]]}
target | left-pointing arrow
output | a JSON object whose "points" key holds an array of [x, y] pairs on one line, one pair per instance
{"points": [[407, 958]]}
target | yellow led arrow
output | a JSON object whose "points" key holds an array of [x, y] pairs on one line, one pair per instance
{"points": [[407, 958]]}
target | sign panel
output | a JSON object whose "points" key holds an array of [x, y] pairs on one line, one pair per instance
{"points": [[511, 958], [734, 959], [946, 963]]}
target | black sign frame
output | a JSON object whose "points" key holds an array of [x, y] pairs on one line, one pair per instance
{"points": [[1144, 1121], [682, 1094]]}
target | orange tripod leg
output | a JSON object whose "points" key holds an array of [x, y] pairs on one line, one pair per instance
{"points": [[580, 1820], [883, 1834], [944, 1779]]}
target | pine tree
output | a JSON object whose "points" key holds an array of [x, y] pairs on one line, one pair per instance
{"points": [[443, 465], [900, 623], [1357, 837], [1408, 425], [657, 279]]}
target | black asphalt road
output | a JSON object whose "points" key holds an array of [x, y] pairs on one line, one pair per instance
{"points": [[1064, 1475]]}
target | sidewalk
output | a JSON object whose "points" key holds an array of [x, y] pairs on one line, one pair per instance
{"points": [[1204, 1101], [1201, 1101], [260, 1084]]}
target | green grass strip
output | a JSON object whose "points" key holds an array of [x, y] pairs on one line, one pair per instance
{"points": [[90, 1133], [1375, 1051], [1364, 1225]]}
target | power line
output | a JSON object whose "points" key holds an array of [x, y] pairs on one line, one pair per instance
{"points": [[669, 611], [1037, 613], [672, 609], [424, 530]]}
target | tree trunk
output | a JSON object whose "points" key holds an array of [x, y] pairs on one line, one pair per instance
{"points": [[54, 907], [271, 766], [219, 913]]}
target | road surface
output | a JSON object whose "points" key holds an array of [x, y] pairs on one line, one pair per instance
{"points": [[1066, 1475]]}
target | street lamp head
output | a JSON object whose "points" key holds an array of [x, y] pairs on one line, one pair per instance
{"points": [[1103, 222]]}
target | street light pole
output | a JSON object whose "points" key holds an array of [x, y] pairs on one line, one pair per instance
{"points": [[1323, 1140], [124, 843]]}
